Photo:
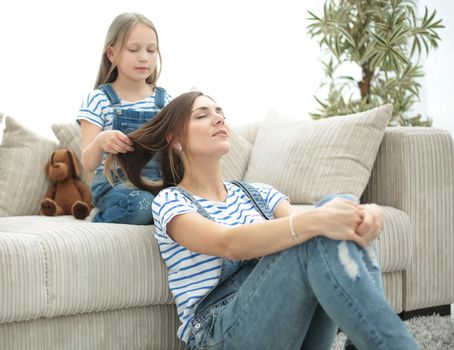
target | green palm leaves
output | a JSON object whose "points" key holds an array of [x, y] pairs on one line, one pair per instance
{"points": [[386, 40]]}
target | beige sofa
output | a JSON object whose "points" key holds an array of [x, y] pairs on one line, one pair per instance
{"points": [[71, 284]]}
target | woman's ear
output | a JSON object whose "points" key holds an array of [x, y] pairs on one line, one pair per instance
{"points": [[174, 144]]}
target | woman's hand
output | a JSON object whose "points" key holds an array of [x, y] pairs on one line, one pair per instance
{"points": [[341, 219], [114, 141], [372, 222]]}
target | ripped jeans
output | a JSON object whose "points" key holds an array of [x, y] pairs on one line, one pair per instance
{"points": [[297, 298]]}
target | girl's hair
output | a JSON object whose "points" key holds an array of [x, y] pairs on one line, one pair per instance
{"points": [[152, 138], [119, 31]]}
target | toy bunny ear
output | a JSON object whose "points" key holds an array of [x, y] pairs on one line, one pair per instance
{"points": [[48, 164], [75, 164]]}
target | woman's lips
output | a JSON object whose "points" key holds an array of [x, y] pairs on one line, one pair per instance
{"points": [[221, 133]]}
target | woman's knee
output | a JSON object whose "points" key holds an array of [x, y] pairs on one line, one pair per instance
{"points": [[347, 255]]}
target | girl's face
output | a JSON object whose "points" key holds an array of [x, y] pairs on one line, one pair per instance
{"points": [[207, 134], [137, 60]]}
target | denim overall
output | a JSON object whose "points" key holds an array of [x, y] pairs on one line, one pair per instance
{"points": [[295, 299], [122, 203]]}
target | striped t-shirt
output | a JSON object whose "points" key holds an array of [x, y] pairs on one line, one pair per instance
{"points": [[191, 275], [98, 110]]}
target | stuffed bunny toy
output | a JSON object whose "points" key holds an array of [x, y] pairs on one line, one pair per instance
{"points": [[67, 195]]}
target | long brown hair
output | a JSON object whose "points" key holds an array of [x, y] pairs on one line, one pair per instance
{"points": [[119, 31], [155, 137]]}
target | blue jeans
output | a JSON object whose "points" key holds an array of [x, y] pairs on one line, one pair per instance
{"points": [[297, 298], [121, 203]]}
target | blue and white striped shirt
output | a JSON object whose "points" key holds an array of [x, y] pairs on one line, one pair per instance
{"points": [[191, 275], [98, 110]]}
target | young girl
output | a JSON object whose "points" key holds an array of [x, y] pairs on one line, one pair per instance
{"points": [[124, 98], [316, 269]]}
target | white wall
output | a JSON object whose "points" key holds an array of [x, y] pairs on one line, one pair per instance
{"points": [[251, 56], [438, 84]]}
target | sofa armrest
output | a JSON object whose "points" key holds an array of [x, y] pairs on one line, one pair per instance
{"points": [[413, 172]]}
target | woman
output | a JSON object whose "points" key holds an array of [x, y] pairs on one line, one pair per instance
{"points": [[316, 269]]}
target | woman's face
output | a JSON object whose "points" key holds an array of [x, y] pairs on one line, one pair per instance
{"points": [[207, 134]]}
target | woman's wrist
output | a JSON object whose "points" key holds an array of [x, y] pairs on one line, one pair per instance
{"points": [[292, 230], [305, 225]]}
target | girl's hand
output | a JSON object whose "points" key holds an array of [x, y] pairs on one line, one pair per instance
{"points": [[340, 221], [114, 141], [372, 222]]}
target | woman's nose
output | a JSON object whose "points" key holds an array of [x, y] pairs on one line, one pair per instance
{"points": [[219, 119]]}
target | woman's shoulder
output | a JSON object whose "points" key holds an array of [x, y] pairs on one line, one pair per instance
{"points": [[170, 202], [269, 194], [261, 187], [171, 195]]}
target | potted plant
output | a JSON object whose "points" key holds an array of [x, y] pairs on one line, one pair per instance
{"points": [[385, 39]]}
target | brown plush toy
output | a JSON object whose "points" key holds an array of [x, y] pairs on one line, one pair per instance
{"points": [[67, 195]]}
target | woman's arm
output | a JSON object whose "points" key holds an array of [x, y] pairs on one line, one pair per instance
{"points": [[369, 228], [337, 220], [94, 142]]}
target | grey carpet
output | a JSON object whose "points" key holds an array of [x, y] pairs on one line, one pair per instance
{"points": [[431, 333]]}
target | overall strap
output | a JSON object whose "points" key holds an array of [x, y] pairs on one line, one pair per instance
{"points": [[194, 201], [110, 93], [160, 97], [255, 197]]}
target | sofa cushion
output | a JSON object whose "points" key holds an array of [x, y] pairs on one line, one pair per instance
{"points": [[68, 134], [234, 163], [23, 155], [333, 155], [53, 266]]}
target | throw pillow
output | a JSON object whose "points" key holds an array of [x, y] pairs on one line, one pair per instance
{"points": [[307, 160], [234, 163], [23, 155], [68, 134]]}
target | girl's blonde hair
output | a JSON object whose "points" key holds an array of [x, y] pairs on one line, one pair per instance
{"points": [[119, 31], [155, 137]]}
